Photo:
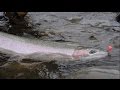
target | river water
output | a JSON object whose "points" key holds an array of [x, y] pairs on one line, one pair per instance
{"points": [[88, 29]]}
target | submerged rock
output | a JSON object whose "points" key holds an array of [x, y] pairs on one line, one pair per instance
{"points": [[15, 70], [74, 19], [118, 18], [116, 42], [92, 37], [95, 73]]}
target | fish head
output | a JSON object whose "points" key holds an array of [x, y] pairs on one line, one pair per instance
{"points": [[96, 54], [89, 54]]}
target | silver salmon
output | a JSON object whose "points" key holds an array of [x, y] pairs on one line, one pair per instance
{"points": [[39, 48]]}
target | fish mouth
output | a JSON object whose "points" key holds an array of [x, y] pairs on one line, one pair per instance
{"points": [[89, 54]]}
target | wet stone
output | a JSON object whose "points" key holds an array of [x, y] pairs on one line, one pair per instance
{"points": [[75, 20], [92, 38], [118, 18], [27, 60], [3, 18], [16, 71], [116, 42], [3, 58]]}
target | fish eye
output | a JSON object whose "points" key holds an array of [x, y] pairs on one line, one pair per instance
{"points": [[92, 51]]}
